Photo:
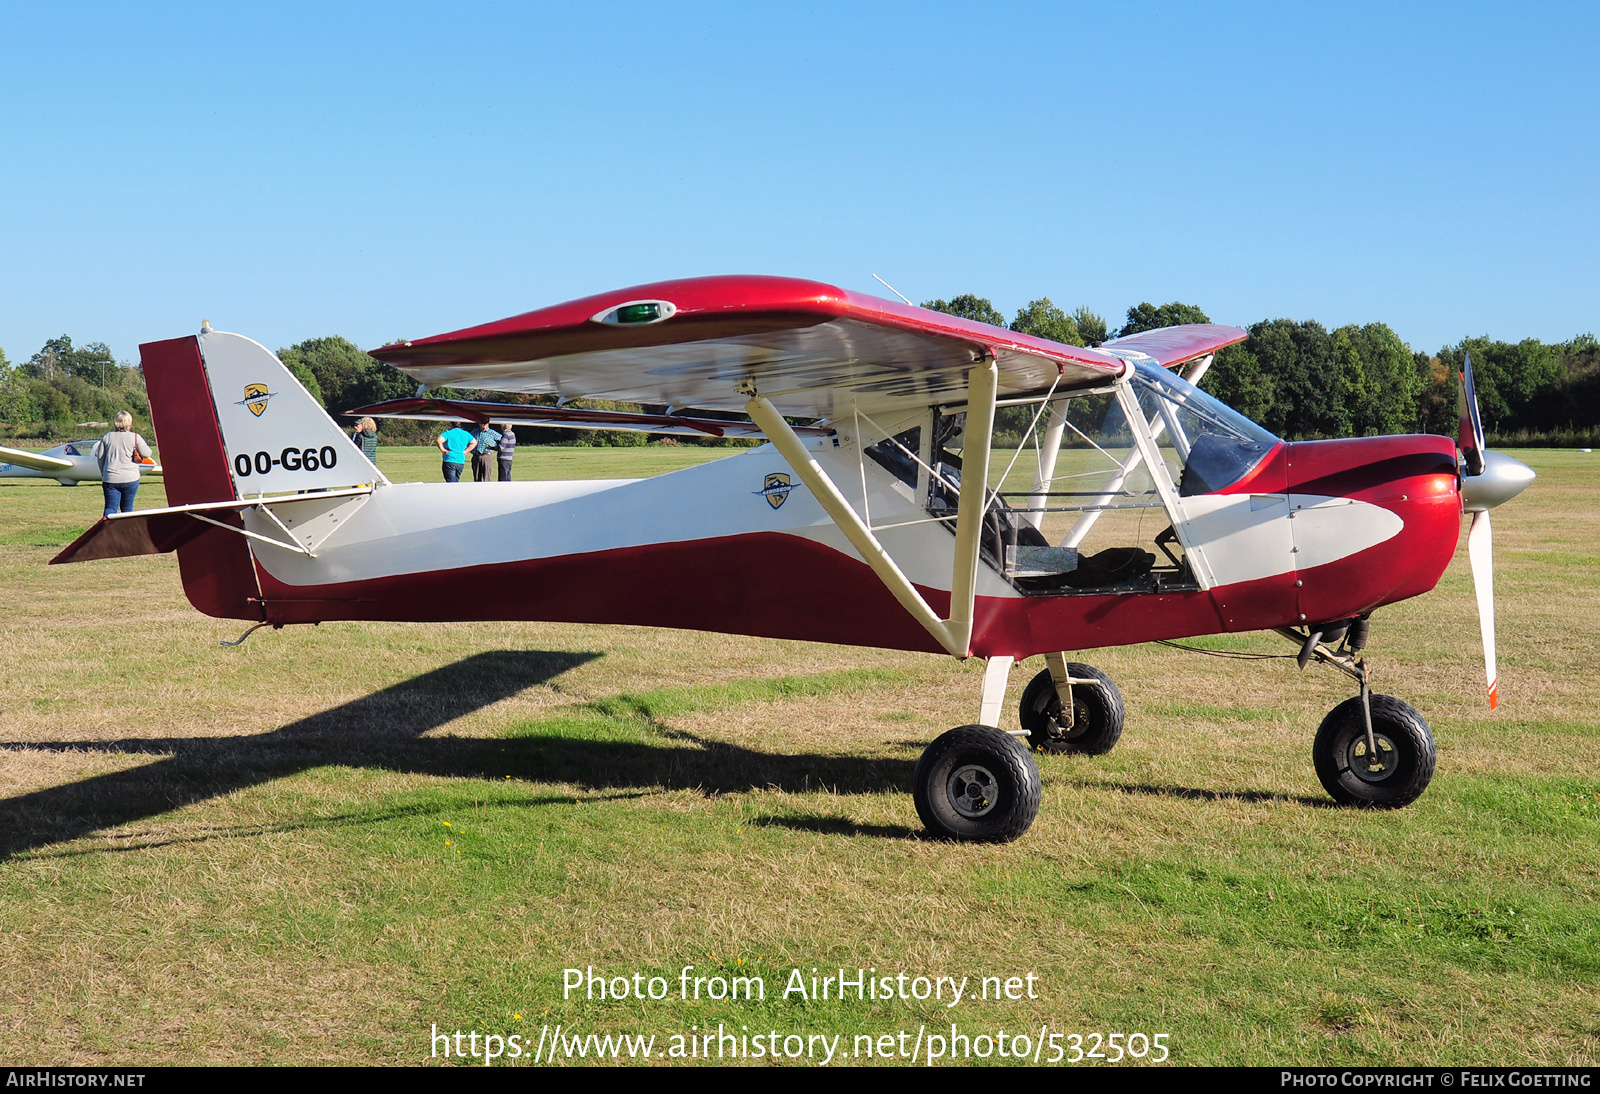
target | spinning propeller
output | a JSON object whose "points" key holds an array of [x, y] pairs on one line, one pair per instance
{"points": [[1487, 479]]}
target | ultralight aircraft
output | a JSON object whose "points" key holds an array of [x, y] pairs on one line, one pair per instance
{"points": [[880, 512]]}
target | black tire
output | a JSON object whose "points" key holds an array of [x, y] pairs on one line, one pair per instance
{"points": [[1097, 713], [977, 784], [1404, 742]]}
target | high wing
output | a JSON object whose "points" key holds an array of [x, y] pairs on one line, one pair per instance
{"points": [[813, 350], [1170, 346], [35, 461], [471, 410]]}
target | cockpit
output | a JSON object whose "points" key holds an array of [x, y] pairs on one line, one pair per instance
{"points": [[1084, 484]]}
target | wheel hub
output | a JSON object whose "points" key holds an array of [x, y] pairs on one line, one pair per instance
{"points": [[973, 790], [1369, 766], [1080, 720]]}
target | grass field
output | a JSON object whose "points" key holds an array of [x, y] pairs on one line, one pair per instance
{"points": [[320, 845]]}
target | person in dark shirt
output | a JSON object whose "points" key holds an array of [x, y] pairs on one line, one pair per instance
{"points": [[506, 449], [366, 436]]}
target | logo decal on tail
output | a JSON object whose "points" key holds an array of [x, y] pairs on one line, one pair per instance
{"points": [[776, 489], [255, 398]]}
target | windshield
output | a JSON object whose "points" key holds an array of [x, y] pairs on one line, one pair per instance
{"points": [[1214, 444]]}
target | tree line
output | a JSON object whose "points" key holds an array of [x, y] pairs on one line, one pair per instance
{"points": [[1295, 377]]}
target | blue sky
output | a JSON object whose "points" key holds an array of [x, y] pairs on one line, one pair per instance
{"points": [[399, 170]]}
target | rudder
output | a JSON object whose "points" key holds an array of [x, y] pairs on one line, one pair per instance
{"points": [[218, 572]]}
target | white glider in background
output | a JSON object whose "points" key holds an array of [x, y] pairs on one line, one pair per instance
{"points": [[69, 464]]}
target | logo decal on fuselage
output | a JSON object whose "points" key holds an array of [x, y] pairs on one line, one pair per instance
{"points": [[776, 489], [255, 398]]}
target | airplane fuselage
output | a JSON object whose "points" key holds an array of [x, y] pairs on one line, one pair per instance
{"points": [[1320, 530]]}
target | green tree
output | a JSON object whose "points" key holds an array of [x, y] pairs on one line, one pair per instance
{"points": [[1438, 410], [92, 362], [1236, 377], [1298, 359], [1378, 380], [1579, 404], [1517, 383], [1042, 319], [1147, 316], [342, 377], [967, 306], [1091, 326]]}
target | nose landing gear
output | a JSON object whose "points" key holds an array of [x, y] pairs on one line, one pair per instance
{"points": [[1371, 751]]}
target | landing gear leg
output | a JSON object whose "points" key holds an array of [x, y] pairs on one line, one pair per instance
{"points": [[995, 675], [1373, 750]]}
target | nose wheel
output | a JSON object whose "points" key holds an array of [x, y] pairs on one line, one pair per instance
{"points": [[976, 784], [1387, 769], [1373, 750]]}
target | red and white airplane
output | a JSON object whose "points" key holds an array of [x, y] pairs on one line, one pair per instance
{"points": [[1146, 510]]}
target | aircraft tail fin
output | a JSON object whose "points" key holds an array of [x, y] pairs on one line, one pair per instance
{"points": [[277, 436], [232, 422], [194, 463]]}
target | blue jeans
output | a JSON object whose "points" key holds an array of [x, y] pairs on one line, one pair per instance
{"points": [[452, 472], [119, 496]]}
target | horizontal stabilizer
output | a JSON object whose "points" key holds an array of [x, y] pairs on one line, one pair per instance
{"points": [[34, 461], [1168, 346], [564, 417], [153, 532], [157, 531]]}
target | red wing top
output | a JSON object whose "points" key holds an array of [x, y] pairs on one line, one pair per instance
{"points": [[699, 341], [1168, 346]]}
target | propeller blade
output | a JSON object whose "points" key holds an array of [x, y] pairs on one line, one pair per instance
{"points": [[1480, 552], [1469, 435]]}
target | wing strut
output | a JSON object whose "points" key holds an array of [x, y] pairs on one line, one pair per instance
{"points": [[955, 633]]}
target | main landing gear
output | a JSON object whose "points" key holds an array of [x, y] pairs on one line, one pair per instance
{"points": [[1372, 751], [981, 784], [977, 783]]}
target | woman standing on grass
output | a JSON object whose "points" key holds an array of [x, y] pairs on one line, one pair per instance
{"points": [[366, 437], [119, 454]]}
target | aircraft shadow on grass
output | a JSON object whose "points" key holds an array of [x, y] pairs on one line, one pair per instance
{"points": [[385, 730]]}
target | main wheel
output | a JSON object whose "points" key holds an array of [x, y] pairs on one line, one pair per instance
{"points": [[1097, 713], [976, 783], [1393, 776]]}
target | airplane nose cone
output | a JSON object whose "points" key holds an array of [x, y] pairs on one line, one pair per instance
{"points": [[1503, 478]]}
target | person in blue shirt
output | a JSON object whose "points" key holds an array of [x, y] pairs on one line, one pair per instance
{"points": [[455, 443], [485, 440]]}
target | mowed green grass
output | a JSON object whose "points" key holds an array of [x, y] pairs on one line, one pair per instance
{"points": [[319, 845]]}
